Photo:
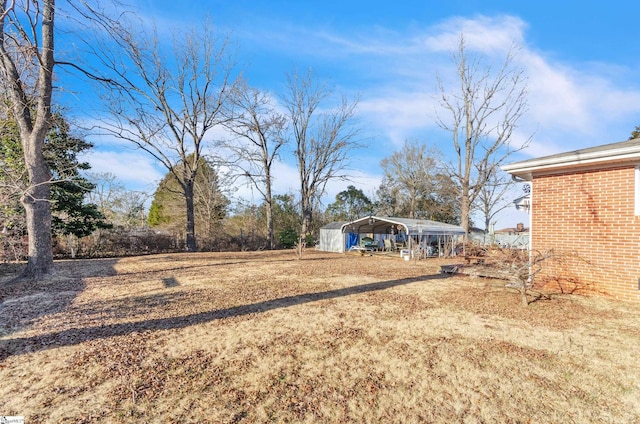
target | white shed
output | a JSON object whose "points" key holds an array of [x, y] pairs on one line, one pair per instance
{"points": [[332, 239]]}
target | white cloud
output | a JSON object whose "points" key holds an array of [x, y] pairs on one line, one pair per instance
{"points": [[554, 95], [135, 169], [571, 105], [398, 114], [489, 34], [286, 178]]}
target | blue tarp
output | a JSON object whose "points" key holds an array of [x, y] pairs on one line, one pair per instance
{"points": [[352, 240]]}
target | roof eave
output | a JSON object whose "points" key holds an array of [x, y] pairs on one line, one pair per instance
{"points": [[526, 169]]}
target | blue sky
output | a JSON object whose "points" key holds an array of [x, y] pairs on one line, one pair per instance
{"points": [[581, 58]]}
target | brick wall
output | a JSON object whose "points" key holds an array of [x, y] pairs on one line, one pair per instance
{"points": [[588, 219]]}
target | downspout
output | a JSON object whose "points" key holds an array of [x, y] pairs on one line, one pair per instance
{"points": [[530, 229]]}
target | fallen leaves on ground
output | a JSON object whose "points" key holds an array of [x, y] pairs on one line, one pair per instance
{"points": [[264, 337]]}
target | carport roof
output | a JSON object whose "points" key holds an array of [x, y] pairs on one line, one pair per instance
{"points": [[337, 225], [383, 225]]}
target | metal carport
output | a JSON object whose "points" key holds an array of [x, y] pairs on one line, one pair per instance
{"points": [[414, 229]]}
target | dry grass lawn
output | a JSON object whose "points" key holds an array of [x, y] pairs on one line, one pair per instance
{"points": [[264, 337]]}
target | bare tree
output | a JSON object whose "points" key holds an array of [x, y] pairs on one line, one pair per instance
{"points": [[121, 207], [532, 272], [259, 129], [483, 112], [521, 267], [492, 196], [168, 106], [210, 202], [27, 41], [322, 138], [410, 177]]}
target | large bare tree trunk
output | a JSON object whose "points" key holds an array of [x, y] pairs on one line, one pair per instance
{"points": [[465, 211], [30, 94], [37, 205], [191, 226], [38, 213], [269, 207]]}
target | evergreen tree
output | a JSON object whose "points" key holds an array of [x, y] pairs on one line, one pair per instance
{"points": [[167, 209], [70, 213], [350, 204], [286, 220]]}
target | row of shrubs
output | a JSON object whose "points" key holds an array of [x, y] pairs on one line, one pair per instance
{"points": [[117, 242]]}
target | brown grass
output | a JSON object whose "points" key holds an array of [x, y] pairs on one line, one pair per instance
{"points": [[264, 337]]}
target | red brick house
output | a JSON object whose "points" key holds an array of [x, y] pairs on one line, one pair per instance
{"points": [[585, 205]]}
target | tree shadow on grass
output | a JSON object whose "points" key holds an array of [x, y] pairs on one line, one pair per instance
{"points": [[225, 263], [74, 336], [24, 301]]}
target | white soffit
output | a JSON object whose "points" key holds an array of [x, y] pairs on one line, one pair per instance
{"points": [[618, 153]]}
